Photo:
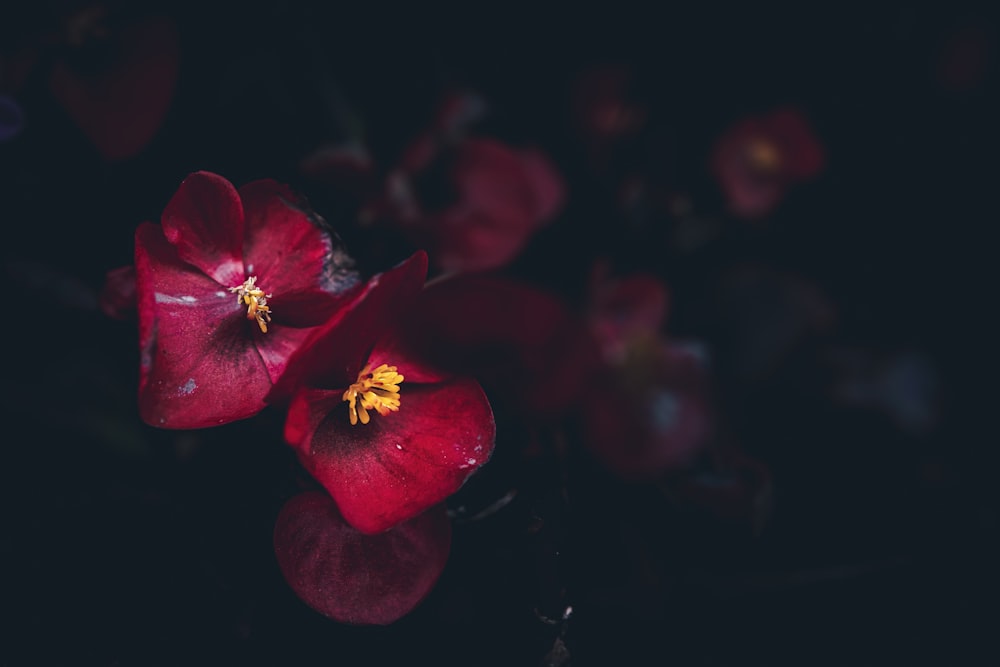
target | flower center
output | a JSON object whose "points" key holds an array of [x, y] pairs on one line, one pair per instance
{"points": [[375, 390], [253, 297], [763, 155]]}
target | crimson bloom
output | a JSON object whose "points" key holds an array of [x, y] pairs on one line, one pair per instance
{"points": [[356, 578], [385, 452], [757, 159], [228, 286], [472, 202]]}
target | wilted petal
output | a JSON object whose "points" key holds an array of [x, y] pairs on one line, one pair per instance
{"points": [[356, 578], [396, 466], [204, 221], [199, 365]]}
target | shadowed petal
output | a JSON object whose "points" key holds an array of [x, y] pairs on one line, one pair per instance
{"points": [[356, 578], [120, 108], [522, 343], [199, 365], [204, 220], [545, 182], [117, 299], [396, 466]]}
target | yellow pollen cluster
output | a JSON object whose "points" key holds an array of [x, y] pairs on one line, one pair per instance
{"points": [[377, 390], [763, 155], [255, 300]]}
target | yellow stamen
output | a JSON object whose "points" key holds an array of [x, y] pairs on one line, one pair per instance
{"points": [[253, 297], [377, 390], [763, 155]]}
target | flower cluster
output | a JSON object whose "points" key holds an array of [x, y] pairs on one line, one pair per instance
{"points": [[246, 299]]}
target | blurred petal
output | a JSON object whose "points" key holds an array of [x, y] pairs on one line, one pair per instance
{"points": [[649, 415], [396, 466], [545, 181], [199, 365], [522, 343], [121, 107], [627, 308], [204, 220], [356, 578], [117, 299]]}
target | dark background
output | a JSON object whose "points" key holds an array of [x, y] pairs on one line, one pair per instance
{"points": [[124, 545]]}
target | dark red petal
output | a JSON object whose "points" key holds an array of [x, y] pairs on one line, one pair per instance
{"points": [[641, 437], [199, 365], [649, 415], [121, 108], [470, 240], [278, 346], [395, 467], [800, 148], [204, 221], [491, 177], [522, 343], [356, 578], [117, 299], [333, 355], [292, 257], [545, 181]]}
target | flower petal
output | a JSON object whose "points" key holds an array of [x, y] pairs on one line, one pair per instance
{"points": [[650, 414], [396, 466], [522, 343], [117, 299], [545, 182], [335, 352], [356, 578], [121, 108], [204, 221], [199, 365], [292, 256]]}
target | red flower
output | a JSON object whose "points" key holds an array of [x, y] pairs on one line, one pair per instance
{"points": [[385, 452], [356, 578], [646, 411], [626, 310], [649, 414], [759, 158], [228, 287], [472, 202]]}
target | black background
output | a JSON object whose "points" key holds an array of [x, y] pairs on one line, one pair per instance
{"points": [[124, 545]]}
